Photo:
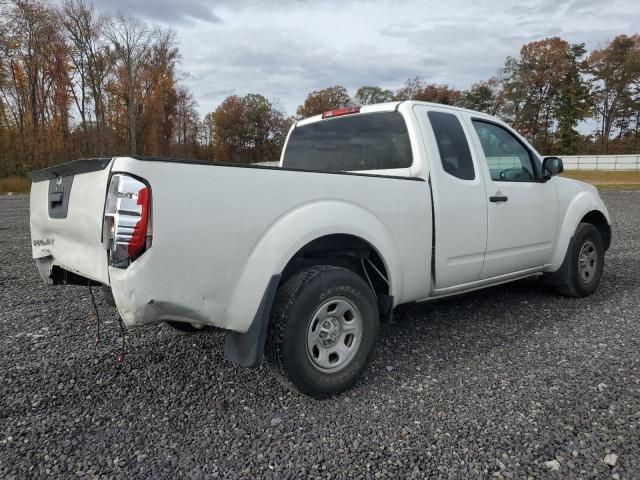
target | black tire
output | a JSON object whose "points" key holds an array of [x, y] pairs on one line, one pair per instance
{"points": [[295, 306], [581, 282], [184, 327]]}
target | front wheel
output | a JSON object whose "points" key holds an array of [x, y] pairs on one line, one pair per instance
{"points": [[586, 262], [323, 330]]}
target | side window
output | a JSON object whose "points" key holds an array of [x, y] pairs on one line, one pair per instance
{"points": [[452, 145], [508, 160]]}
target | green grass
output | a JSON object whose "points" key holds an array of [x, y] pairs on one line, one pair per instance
{"points": [[15, 185], [608, 179]]}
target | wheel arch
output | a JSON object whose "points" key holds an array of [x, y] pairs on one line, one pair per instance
{"points": [[316, 228], [348, 251], [598, 220], [585, 206]]}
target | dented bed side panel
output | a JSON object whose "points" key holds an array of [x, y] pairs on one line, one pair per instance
{"points": [[220, 233]]}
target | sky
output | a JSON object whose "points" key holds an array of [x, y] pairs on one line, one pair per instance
{"points": [[287, 48]]}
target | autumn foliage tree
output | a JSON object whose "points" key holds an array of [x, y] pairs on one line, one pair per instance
{"points": [[416, 89], [615, 86], [532, 83], [571, 105], [248, 129], [34, 86], [551, 88], [75, 83], [369, 95], [485, 96], [322, 100]]}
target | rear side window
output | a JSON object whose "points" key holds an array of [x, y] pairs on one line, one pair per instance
{"points": [[374, 141], [452, 145]]}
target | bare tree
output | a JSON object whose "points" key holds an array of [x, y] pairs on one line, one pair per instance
{"points": [[132, 40], [92, 61]]}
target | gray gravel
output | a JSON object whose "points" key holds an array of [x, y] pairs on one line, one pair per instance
{"points": [[510, 382]]}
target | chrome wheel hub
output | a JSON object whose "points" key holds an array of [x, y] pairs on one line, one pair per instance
{"points": [[329, 332], [334, 334], [587, 261]]}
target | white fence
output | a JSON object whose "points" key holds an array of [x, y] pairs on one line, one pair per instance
{"points": [[601, 162]]}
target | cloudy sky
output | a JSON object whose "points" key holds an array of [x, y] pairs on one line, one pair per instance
{"points": [[284, 49]]}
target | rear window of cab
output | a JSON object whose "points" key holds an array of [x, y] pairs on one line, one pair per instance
{"points": [[370, 141]]}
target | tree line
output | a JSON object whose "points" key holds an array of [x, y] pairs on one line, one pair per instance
{"points": [[551, 93], [78, 83]]}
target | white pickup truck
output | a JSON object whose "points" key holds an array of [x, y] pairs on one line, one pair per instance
{"points": [[370, 208]]}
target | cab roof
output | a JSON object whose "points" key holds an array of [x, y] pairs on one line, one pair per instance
{"points": [[383, 107]]}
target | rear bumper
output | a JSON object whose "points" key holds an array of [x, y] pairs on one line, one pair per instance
{"points": [[53, 274], [141, 300]]}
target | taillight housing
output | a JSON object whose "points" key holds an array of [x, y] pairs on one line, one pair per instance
{"points": [[127, 229]]}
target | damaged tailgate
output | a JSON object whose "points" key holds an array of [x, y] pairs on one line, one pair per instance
{"points": [[66, 218]]}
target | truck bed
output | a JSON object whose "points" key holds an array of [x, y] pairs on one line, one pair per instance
{"points": [[221, 231]]}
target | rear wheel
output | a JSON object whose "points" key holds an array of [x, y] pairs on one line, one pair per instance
{"points": [[586, 262], [323, 330]]}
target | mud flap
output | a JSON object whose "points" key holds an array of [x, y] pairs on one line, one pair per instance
{"points": [[563, 275], [385, 307], [246, 349]]}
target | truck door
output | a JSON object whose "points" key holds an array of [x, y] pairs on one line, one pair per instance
{"points": [[459, 197], [523, 211]]}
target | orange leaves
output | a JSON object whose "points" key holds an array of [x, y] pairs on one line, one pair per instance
{"points": [[247, 129], [322, 100]]}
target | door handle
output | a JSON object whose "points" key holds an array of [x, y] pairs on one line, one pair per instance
{"points": [[498, 198]]}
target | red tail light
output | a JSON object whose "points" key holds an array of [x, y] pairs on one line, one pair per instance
{"points": [[138, 242], [127, 228], [340, 111]]}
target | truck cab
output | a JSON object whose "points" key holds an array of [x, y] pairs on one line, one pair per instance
{"points": [[496, 214]]}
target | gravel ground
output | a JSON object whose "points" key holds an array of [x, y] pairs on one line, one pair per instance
{"points": [[510, 382]]}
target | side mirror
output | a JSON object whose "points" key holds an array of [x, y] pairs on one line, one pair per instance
{"points": [[551, 166]]}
